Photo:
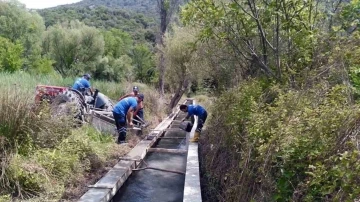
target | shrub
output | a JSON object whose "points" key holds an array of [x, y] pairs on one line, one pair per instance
{"points": [[48, 171], [269, 143]]}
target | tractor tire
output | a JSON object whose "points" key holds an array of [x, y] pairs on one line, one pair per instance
{"points": [[69, 104]]}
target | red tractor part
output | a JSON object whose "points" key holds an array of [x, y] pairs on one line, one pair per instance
{"points": [[48, 93]]}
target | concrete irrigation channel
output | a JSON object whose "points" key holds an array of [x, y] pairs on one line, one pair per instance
{"points": [[163, 167]]}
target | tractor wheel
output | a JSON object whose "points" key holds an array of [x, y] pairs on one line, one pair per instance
{"points": [[70, 104]]}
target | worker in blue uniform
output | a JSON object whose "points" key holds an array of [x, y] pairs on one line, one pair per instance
{"points": [[123, 112], [200, 112], [83, 83], [140, 108]]}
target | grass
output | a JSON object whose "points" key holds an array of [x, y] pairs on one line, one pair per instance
{"points": [[41, 157], [24, 84]]}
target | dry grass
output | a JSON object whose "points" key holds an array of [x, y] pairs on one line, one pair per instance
{"points": [[154, 106]]}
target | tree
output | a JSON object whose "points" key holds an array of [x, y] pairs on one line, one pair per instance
{"points": [[181, 60], [274, 38], [143, 62], [10, 55], [74, 47], [166, 10], [18, 24], [117, 43], [110, 69]]}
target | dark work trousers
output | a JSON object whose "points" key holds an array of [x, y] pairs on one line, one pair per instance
{"points": [[201, 121], [141, 115], [120, 122]]}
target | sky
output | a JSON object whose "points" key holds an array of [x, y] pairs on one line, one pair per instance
{"points": [[46, 3]]}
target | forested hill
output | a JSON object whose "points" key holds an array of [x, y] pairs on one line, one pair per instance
{"points": [[139, 26], [137, 17], [147, 7]]}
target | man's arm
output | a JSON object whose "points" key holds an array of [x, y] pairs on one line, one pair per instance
{"points": [[139, 106], [188, 116], [87, 85], [125, 96], [130, 116]]}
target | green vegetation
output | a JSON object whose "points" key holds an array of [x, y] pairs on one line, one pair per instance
{"points": [[286, 76], [281, 80], [290, 145], [42, 157], [140, 27], [147, 7], [70, 47]]}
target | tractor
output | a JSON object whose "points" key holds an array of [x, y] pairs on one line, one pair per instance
{"points": [[70, 101]]}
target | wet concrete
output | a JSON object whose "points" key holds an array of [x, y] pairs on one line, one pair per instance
{"points": [[153, 185]]}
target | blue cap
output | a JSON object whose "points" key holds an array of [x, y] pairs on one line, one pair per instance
{"points": [[141, 96], [87, 76]]}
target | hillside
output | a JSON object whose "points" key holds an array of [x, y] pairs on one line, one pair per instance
{"points": [[147, 7], [141, 27]]}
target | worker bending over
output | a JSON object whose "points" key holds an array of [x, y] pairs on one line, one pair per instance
{"points": [[140, 107], [200, 112], [123, 111], [82, 84]]}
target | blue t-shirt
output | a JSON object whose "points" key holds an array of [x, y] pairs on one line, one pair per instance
{"points": [[124, 105], [81, 83], [196, 110]]}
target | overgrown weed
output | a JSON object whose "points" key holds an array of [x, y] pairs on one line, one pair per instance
{"points": [[299, 146]]}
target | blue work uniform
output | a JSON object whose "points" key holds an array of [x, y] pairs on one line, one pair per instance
{"points": [[200, 112], [81, 83], [119, 112]]}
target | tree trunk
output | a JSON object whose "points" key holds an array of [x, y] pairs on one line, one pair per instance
{"points": [[161, 74], [163, 25], [179, 92]]}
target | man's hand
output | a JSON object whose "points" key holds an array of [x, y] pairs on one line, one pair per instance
{"points": [[131, 124]]}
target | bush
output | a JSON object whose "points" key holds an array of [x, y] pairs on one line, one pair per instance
{"points": [[269, 143], [47, 172]]}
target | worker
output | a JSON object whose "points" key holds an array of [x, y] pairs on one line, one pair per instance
{"points": [[140, 108], [123, 112], [200, 112], [82, 84]]}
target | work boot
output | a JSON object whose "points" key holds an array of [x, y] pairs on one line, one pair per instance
{"points": [[196, 137], [122, 142]]}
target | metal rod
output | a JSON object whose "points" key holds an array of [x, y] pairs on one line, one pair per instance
{"points": [[175, 151], [141, 119], [172, 137], [137, 121], [159, 169]]}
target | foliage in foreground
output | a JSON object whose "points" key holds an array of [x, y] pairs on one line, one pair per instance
{"points": [[42, 157], [276, 144]]}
